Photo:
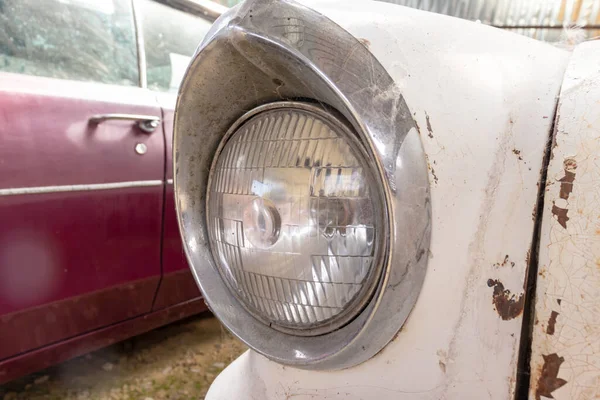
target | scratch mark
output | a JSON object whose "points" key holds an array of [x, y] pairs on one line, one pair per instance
{"points": [[551, 323], [561, 215], [508, 306], [549, 380], [429, 129]]}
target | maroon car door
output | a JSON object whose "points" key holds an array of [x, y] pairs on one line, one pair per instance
{"points": [[170, 38], [81, 172]]}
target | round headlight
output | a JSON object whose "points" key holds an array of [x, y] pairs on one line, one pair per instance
{"points": [[294, 218]]}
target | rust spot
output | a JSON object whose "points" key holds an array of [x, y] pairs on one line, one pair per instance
{"points": [[570, 164], [561, 215], [365, 42], [429, 129], [566, 182], [517, 153], [549, 380], [551, 323], [508, 305], [505, 262], [435, 178]]}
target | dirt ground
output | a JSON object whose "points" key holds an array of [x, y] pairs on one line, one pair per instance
{"points": [[178, 361]]}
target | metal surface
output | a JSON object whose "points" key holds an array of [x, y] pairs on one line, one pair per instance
{"points": [[141, 149], [541, 19], [77, 188], [565, 359], [320, 271], [81, 212], [146, 123], [280, 50], [484, 101], [23, 364]]}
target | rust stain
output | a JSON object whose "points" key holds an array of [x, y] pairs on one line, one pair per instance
{"points": [[435, 178], [365, 42], [418, 127], [429, 129], [566, 184], [505, 262], [561, 215], [550, 329], [442, 366], [517, 153], [549, 380], [508, 305]]}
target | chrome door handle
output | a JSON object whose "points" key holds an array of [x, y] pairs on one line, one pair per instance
{"points": [[146, 123]]}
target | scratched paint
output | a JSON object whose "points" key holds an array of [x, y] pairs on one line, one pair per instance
{"points": [[565, 362]]}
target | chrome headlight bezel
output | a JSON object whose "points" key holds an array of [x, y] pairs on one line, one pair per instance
{"points": [[266, 51]]}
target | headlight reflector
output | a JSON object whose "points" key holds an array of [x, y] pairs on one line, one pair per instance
{"points": [[294, 217]]}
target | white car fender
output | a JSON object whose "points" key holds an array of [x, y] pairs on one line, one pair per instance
{"points": [[484, 100], [565, 359]]}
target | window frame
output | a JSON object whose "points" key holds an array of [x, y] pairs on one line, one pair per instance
{"points": [[204, 9]]}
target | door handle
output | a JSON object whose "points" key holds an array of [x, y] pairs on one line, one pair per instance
{"points": [[146, 123]]}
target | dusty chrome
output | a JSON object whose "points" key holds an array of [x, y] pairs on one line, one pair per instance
{"points": [[297, 238], [266, 51], [146, 123], [139, 37], [141, 148], [77, 188]]}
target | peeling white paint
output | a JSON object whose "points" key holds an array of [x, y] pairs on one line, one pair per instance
{"points": [[569, 260], [488, 97]]}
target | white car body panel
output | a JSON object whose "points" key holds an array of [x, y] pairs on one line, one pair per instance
{"points": [[484, 100], [565, 360]]}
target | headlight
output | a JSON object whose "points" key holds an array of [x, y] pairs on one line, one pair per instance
{"points": [[301, 187], [292, 218]]}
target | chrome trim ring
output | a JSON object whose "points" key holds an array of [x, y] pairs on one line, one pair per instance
{"points": [[266, 51]]}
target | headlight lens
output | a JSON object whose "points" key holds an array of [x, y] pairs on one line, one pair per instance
{"points": [[293, 220]]}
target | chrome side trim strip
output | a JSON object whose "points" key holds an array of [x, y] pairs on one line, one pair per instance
{"points": [[169, 181], [77, 188]]}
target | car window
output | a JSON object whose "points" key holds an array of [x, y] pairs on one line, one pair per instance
{"points": [[85, 40], [170, 39]]}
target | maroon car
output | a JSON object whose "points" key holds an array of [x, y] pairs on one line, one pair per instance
{"points": [[90, 251]]}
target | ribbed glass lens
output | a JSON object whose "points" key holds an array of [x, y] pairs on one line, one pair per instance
{"points": [[292, 219]]}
